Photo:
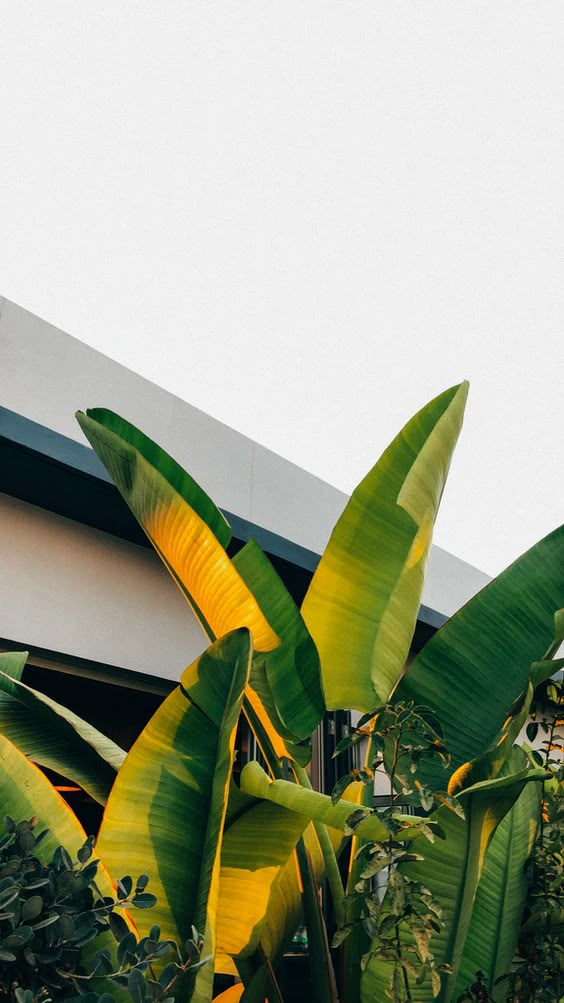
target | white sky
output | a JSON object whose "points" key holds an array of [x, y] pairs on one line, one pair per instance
{"points": [[307, 219]]}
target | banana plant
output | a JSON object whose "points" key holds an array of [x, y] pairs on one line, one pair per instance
{"points": [[284, 698], [361, 606], [240, 863], [362, 603]]}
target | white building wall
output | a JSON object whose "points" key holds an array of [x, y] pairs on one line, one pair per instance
{"points": [[75, 590], [47, 376]]}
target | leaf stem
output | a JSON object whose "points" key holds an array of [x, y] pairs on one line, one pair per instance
{"points": [[329, 857]]}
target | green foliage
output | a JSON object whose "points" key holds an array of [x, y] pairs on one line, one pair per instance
{"points": [[136, 957], [400, 924], [50, 911], [538, 973]]}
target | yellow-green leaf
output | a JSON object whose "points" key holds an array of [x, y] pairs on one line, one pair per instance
{"points": [[25, 793], [292, 669], [182, 524], [362, 603], [255, 849], [55, 737], [500, 899], [171, 793], [478, 664]]}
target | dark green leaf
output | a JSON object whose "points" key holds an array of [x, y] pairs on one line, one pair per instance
{"points": [[144, 901], [127, 944], [168, 974], [47, 921], [27, 841], [118, 926], [32, 908], [532, 730], [124, 887], [136, 986], [62, 860]]}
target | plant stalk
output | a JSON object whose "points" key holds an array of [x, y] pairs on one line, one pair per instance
{"points": [[329, 857]]}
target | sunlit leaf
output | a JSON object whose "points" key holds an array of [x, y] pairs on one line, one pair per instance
{"points": [[182, 523], [362, 603], [170, 797], [292, 669]]}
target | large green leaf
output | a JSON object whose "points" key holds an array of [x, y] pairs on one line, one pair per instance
{"points": [[292, 669], [170, 797], [52, 735], [183, 525], [262, 714], [494, 760], [261, 885], [256, 847], [475, 667], [500, 899], [285, 910], [25, 792], [189, 533], [362, 603], [169, 469], [452, 869]]}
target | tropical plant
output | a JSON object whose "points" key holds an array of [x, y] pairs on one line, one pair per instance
{"points": [[52, 909], [242, 863], [402, 735], [537, 975]]}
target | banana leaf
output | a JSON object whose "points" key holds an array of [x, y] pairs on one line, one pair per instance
{"points": [[255, 849], [52, 735], [362, 603], [477, 665], [258, 845], [452, 869], [262, 714], [189, 534], [25, 793], [284, 913], [170, 798], [182, 483], [500, 899], [231, 995], [184, 526], [292, 670]]}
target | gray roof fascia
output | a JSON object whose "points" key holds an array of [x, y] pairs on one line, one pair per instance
{"points": [[52, 445]]}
